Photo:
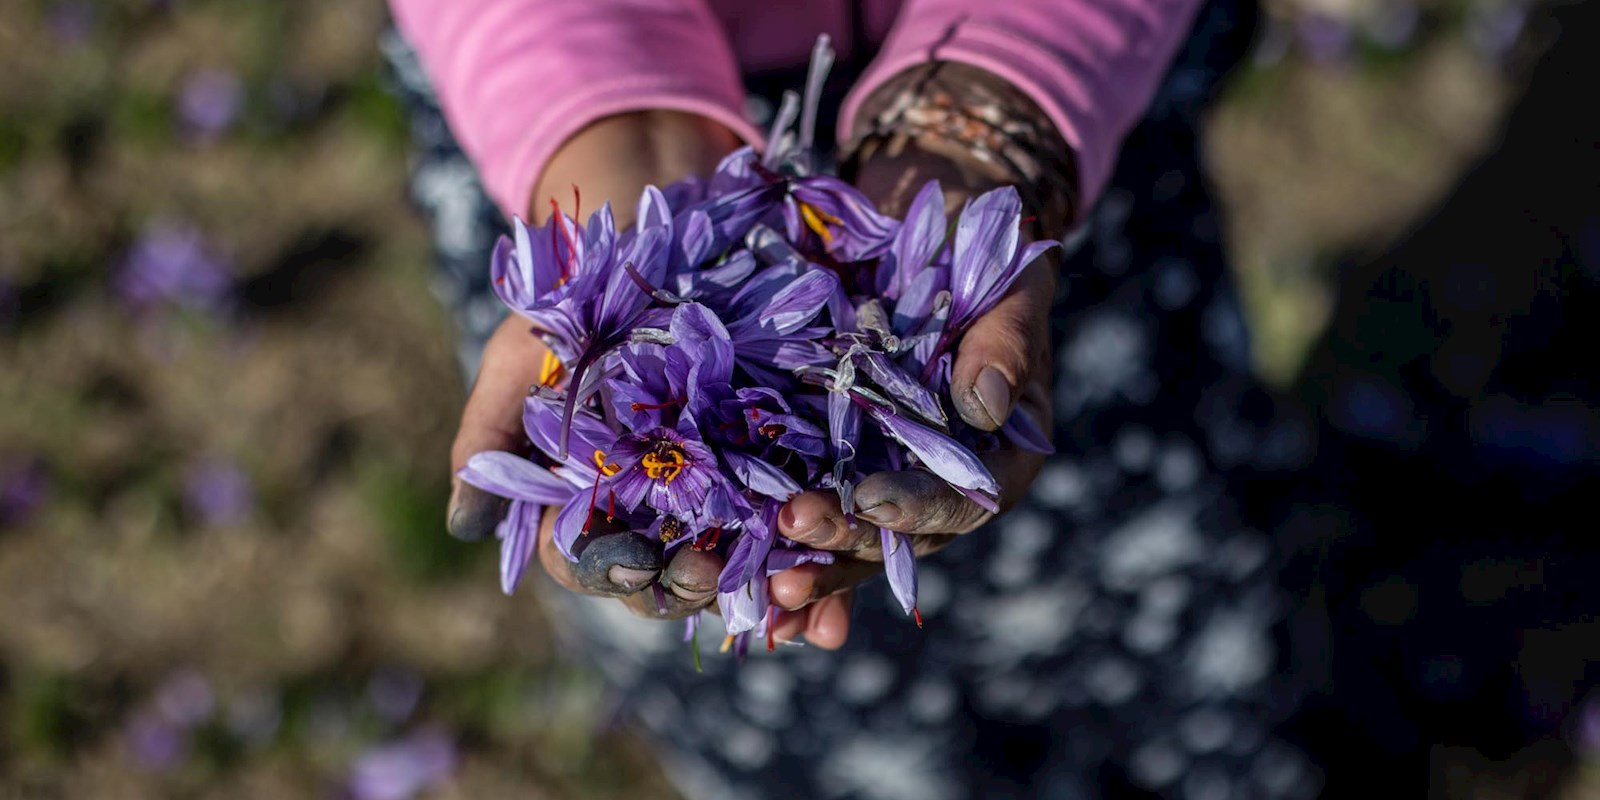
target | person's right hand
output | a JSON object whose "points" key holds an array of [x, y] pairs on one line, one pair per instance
{"points": [[613, 159]]}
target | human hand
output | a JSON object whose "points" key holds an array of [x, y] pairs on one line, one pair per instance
{"points": [[613, 159], [1002, 362]]}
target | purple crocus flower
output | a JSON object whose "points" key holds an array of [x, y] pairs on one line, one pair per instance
{"points": [[209, 102], [986, 258], [24, 487], [217, 492], [155, 744], [172, 264], [185, 699], [403, 769], [900, 564], [845, 223]]}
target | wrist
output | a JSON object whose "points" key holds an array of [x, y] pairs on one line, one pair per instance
{"points": [[615, 157], [986, 130]]}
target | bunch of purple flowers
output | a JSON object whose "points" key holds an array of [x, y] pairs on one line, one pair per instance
{"points": [[754, 335]]}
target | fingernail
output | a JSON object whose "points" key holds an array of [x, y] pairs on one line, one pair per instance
{"points": [[994, 394], [792, 642], [629, 578], [883, 513], [693, 595]]}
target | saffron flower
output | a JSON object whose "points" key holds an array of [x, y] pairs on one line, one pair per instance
{"points": [[759, 333]]}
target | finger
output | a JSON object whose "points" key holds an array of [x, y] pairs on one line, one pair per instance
{"points": [[828, 623], [816, 520], [1004, 350], [691, 577], [801, 586], [492, 420], [917, 501], [611, 563], [687, 585], [787, 626]]}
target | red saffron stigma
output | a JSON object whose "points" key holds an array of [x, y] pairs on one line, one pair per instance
{"points": [[917, 615], [771, 643], [611, 504], [593, 497], [654, 406]]}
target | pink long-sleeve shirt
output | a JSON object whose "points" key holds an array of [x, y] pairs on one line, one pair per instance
{"points": [[517, 78]]}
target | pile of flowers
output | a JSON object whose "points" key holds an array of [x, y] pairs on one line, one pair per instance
{"points": [[756, 334]]}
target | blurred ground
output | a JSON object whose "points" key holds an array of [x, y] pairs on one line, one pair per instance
{"points": [[227, 393]]}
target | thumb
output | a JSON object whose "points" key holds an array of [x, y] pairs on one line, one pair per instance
{"points": [[1004, 349], [492, 420]]}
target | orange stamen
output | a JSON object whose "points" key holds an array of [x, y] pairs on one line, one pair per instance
{"points": [[550, 370], [815, 218]]}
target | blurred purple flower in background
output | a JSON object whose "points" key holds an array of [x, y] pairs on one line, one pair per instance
{"points": [[71, 22], [154, 743], [1325, 39], [24, 487], [209, 102], [185, 699], [217, 492], [171, 263], [394, 693], [1494, 26], [402, 769], [158, 737]]}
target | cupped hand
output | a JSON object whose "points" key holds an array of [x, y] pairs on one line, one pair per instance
{"points": [[613, 159], [1002, 362]]}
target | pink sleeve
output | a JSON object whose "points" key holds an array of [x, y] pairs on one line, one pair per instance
{"points": [[517, 78], [1092, 65]]}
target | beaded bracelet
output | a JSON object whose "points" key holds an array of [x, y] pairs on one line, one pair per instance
{"points": [[980, 119]]}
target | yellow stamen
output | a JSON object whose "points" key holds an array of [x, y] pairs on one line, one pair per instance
{"points": [[664, 463], [671, 529], [550, 370], [605, 469], [726, 643], [815, 219]]}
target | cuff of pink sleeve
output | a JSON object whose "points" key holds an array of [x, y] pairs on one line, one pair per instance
{"points": [[512, 188], [1062, 94]]}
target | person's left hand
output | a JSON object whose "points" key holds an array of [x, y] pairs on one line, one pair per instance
{"points": [[1003, 361]]}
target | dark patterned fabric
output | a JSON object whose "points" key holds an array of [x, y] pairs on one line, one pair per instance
{"points": [[1113, 634]]}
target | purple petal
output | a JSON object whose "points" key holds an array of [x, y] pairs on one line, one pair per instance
{"points": [[902, 387], [569, 524], [919, 238], [785, 558], [799, 302], [749, 556], [942, 455], [901, 566], [919, 300], [745, 606], [515, 477], [519, 535], [1024, 431], [986, 241], [761, 477]]}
